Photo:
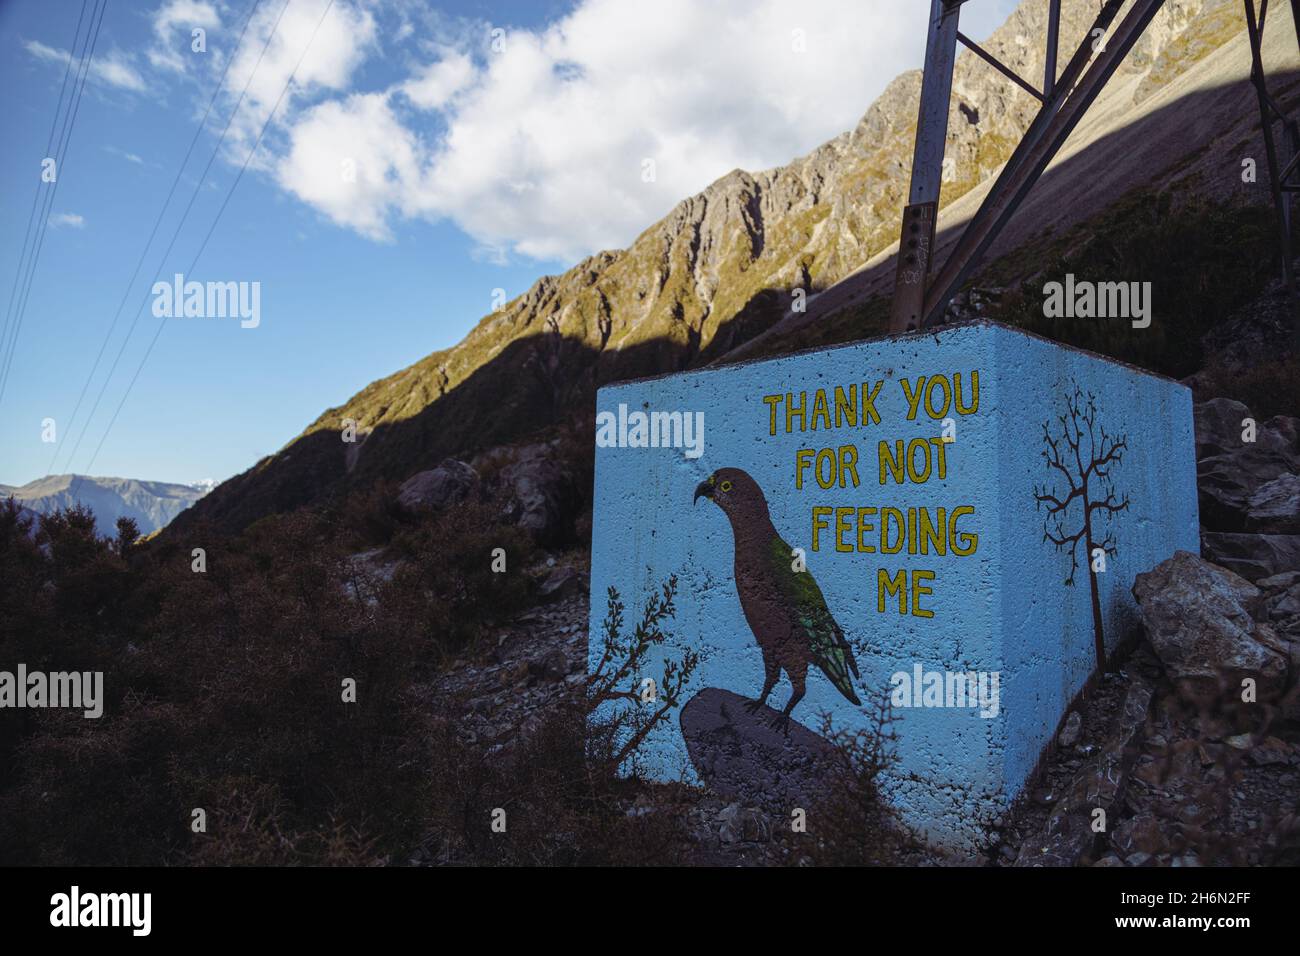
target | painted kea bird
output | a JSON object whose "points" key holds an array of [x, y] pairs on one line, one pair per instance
{"points": [[784, 607]]}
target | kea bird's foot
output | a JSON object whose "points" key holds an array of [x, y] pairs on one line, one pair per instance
{"points": [[752, 706], [780, 722]]}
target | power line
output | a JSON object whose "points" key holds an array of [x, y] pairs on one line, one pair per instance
{"points": [[213, 227], [175, 235], [153, 232], [42, 224], [49, 146]]}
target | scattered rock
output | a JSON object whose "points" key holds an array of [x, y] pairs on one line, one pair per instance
{"points": [[515, 672], [1279, 582], [553, 665], [1283, 606], [1253, 556], [1270, 752], [1100, 782], [1227, 482], [558, 582], [368, 572], [1274, 507], [542, 493], [1218, 424], [438, 488], [742, 825], [1140, 833], [1256, 334], [1070, 732], [972, 304], [1233, 474]]}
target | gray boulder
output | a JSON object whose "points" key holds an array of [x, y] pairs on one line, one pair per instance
{"points": [[1231, 472], [448, 484], [1218, 427], [1283, 433], [1226, 483], [541, 492], [1206, 625], [1282, 597]]}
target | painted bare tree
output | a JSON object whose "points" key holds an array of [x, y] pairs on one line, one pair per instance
{"points": [[1079, 496]]}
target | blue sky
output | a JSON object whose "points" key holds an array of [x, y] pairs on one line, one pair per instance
{"points": [[423, 158]]}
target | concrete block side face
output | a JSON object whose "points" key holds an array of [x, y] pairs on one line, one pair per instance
{"points": [[1144, 509], [646, 527]]}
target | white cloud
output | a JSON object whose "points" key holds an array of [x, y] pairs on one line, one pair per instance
{"points": [[71, 219], [354, 161], [434, 86], [113, 68], [173, 26], [129, 157], [346, 35], [539, 148]]}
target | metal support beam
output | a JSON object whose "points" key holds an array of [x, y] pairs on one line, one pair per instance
{"points": [[998, 65], [1053, 44], [1034, 133], [975, 242], [1270, 112], [909, 308], [917, 241]]}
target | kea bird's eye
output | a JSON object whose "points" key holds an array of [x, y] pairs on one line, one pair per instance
{"points": [[726, 486]]}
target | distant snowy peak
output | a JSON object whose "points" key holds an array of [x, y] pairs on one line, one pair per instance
{"points": [[153, 504]]}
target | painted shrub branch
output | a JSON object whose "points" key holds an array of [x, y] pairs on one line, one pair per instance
{"points": [[619, 674]]}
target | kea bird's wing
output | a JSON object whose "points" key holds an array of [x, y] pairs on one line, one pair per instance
{"points": [[813, 621]]}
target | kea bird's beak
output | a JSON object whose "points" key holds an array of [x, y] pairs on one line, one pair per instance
{"points": [[704, 488]]}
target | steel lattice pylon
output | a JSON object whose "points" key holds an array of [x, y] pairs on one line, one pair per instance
{"points": [[1282, 181], [920, 296]]}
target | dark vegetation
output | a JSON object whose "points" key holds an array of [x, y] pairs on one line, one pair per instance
{"points": [[1204, 261], [224, 689]]}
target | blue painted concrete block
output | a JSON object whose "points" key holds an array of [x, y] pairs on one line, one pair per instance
{"points": [[934, 487]]}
